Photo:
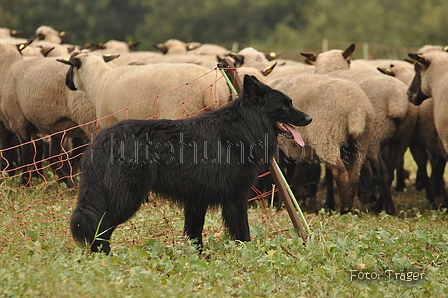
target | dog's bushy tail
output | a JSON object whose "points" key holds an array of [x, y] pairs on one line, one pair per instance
{"points": [[90, 209]]}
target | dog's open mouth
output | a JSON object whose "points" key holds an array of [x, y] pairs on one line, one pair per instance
{"points": [[290, 132]]}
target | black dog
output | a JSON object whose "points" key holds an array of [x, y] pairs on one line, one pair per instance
{"points": [[201, 162]]}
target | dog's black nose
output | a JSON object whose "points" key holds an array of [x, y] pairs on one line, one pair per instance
{"points": [[308, 119]]}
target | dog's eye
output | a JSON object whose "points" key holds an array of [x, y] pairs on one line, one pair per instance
{"points": [[285, 107]]}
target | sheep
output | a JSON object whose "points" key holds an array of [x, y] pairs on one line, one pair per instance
{"points": [[389, 100], [431, 77], [175, 46], [428, 48], [10, 36], [426, 139], [47, 33], [250, 60], [157, 91], [429, 82], [403, 71], [36, 100], [340, 134], [113, 46], [207, 61]]}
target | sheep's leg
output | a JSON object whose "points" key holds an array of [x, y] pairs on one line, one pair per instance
{"points": [[385, 198], [340, 175], [437, 178], [421, 157], [10, 157], [329, 203], [353, 176], [366, 187], [401, 176], [78, 149], [32, 152], [437, 175], [312, 184], [305, 182], [59, 166]]}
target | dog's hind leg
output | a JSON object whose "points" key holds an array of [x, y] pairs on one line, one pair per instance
{"points": [[234, 214], [194, 221]]}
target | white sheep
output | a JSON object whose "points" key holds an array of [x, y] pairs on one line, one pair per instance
{"points": [[11, 36], [34, 99], [340, 133], [47, 33], [114, 46], [175, 46], [389, 100], [428, 48], [426, 140], [156, 91], [433, 74]]}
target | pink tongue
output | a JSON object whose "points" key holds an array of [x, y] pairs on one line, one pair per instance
{"points": [[296, 135]]}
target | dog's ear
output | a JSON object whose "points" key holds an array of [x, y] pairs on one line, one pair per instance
{"points": [[253, 88]]}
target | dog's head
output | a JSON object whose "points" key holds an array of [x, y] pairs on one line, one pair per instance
{"points": [[278, 108]]}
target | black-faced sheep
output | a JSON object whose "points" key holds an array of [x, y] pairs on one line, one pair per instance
{"points": [[156, 91], [432, 72]]}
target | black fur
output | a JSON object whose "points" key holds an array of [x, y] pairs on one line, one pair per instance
{"points": [[201, 162]]}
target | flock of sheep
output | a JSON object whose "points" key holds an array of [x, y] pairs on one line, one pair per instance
{"points": [[364, 116]]}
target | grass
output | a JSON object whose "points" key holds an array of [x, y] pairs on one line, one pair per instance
{"points": [[151, 258]]}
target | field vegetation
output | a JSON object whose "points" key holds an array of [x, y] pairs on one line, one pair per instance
{"points": [[404, 255]]}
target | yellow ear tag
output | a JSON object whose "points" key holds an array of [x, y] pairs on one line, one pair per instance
{"points": [[21, 46], [66, 59], [272, 54], [445, 48]]}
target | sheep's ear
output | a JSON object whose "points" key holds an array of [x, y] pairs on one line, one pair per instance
{"points": [[348, 51], [239, 59], [310, 56], [69, 77], [193, 46], [109, 57], [16, 33], [70, 49], [133, 44], [268, 69], [22, 46], [65, 60], [420, 59], [100, 46], [72, 61], [253, 88], [272, 55], [161, 47], [46, 51], [386, 71], [63, 34]]}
